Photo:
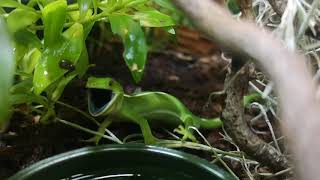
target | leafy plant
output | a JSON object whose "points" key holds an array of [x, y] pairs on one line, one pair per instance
{"points": [[49, 38], [6, 67]]}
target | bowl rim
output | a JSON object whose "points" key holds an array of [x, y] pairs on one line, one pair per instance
{"points": [[174, 154]]}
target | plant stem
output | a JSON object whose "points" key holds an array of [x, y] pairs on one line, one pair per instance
{"points": [[192, 145], [79, 111], [87, 130], [93, 18]]}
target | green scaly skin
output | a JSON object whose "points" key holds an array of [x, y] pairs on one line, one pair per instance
{"points": [[142, 108]]}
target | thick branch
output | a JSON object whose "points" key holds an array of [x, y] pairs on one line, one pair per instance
{"points": [[238, 129], [299, 107]]}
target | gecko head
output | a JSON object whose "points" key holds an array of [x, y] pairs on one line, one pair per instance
{"points": [[104, 95]]}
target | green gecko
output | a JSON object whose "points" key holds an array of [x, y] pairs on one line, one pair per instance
{"points": [[142, 108]]}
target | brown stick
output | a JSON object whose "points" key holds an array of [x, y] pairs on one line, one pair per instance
{"points": [[300, 110], [238, 129], [277, 6]]}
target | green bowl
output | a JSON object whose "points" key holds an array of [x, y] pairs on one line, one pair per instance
{"points": [[122, 162]]}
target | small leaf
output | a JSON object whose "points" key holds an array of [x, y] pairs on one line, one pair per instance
{"points": [[22, 87], [84, 6], [233, 6], [169, 29], [30, 60], [95, 6], [74, 42], [14, 4], [87, 27], [75, 15], [20, 51], [83, 62], [61, 86], [6, 71], [165, 4], [110, 5], [48, 69], [153, 18], [25, 41], [135, 53], [54, 16], [28, 39], [135, 3], [17, 99], [20, 19]]}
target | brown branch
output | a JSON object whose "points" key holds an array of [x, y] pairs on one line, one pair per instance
{"points": [[238, 129], [233, 114], [278, 6], [246, 9], [300, 110]]}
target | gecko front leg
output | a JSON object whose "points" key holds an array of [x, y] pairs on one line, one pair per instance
{"points": [[145, 128], [96, 139]]}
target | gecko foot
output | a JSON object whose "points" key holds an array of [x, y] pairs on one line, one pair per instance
{"points": [[186, 133]]}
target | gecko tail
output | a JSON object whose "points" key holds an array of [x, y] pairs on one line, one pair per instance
{"points": [[210, 123]]}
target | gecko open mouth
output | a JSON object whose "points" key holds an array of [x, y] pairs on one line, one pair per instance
{"points": [[99, 100]]}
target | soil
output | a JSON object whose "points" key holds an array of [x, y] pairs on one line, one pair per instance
{"points": [[191, 77]]}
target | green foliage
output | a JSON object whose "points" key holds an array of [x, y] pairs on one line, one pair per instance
{"points": [[165, 4], [233, 6], [49, 38], [134, 42], [7, 70]]}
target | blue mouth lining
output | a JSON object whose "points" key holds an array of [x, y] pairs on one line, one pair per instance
{"points": [[99, 99]]}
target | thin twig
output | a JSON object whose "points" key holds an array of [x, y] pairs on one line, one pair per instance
{"points": [[88, 130], [79, 111]]}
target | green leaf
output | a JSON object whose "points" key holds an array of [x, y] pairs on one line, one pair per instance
{"points": [[20, 51], [48, 69], [17, 99], [153, 18], [25, 41], [54, 17], [74, 42], [6, 71], [84, 6], [29, 61], [233, 6], [28, 39], [75, 16], [169, 29], [110, 5], [21, 18], [135, 53], [135, 3], [87, 27], [22, 87], [83, 62], [61, 86], [95, 6], [165, 4], [14, 4]]}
